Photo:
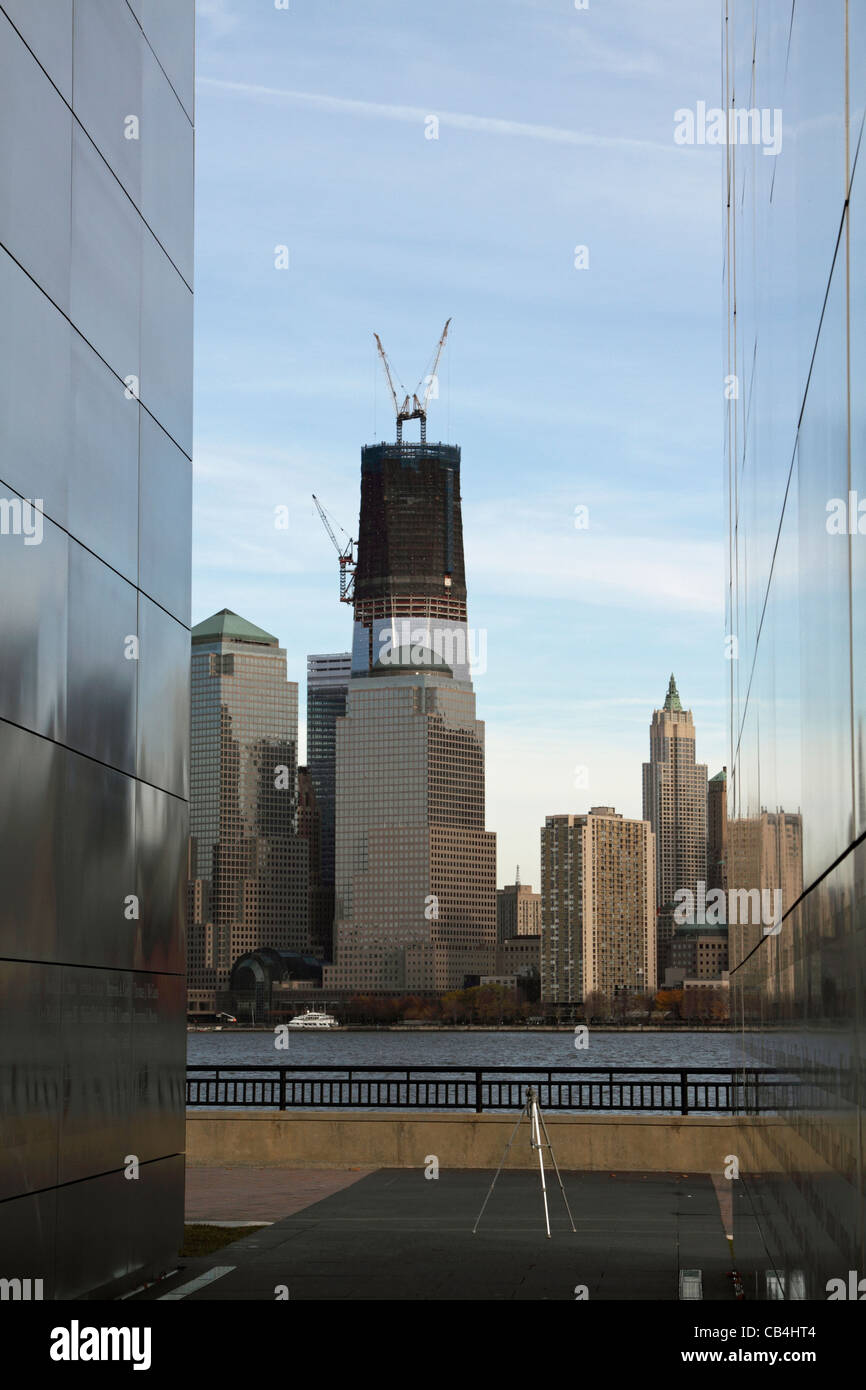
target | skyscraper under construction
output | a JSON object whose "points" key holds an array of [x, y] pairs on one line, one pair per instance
{"points": [[415, 873]]}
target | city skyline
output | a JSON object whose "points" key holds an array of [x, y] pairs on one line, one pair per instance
{"points": [[565, 387]]}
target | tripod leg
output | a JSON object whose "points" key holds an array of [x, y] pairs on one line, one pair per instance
{"points": [[501, 1163], [536, 1143], [558, 1175]]}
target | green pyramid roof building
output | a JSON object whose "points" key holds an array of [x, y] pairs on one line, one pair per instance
{"points": [[672, 699], [226, 626]]}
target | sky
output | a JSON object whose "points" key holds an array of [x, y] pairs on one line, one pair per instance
{"points": [[572, 379]]}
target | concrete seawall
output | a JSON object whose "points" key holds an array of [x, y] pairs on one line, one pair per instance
{"points": [[349, 1139]]}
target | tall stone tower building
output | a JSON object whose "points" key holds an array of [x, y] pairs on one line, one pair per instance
{"points": [[415, 880], [249, 868], [675, 799]]}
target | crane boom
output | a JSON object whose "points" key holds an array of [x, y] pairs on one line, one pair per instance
{"points": [[326, 523], [386, 364], [412, 409], [431, 375], [346, 554]]}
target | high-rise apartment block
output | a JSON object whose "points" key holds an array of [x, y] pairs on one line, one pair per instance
{"points": [[518, 911], [96, 274], [249, 867], [675, 800], [598, 906], [415, 878]]}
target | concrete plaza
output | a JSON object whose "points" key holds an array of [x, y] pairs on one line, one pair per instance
{"points": [[393, 1234]]}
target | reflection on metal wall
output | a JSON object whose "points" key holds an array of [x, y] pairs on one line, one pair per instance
{"points": [[95, 501], [795, 466]]}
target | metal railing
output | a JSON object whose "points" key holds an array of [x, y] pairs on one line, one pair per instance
{"points": [[666, 1090]]}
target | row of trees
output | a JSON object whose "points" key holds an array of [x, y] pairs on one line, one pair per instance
{"points": [[494, 1004]]}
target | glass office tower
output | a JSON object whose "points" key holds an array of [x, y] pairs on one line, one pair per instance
{"points": [[249, 869], [795, 258], [327, 687], [415, 870], [96, 222]]}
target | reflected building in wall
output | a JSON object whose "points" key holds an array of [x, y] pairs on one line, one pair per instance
{"points": [[249, 867], [717, 830], [794, 271], [95, 506], [415, 874]]}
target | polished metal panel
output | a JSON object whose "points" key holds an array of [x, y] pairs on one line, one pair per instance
{"points": [[27, 1238], [858, 485], [34, 173], [164, 571], [93, 1245], [35, 391], [105, 292], [101, 678], [107, 53], [113, 1229], [33, 618], [154, 1216], [796, 477], [30, 1077], [103, 482], [166, 343], [93, 861], [161, 830], [97, 864], [163, 700], [96, 1050], [824, 599], [31, 832], [170, 30], [159, 1071], [167, 167], [46, 28]]}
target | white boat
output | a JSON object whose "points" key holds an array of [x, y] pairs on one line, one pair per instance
{"points": [[312, 1019]]}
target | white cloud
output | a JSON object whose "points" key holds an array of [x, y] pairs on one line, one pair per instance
{"points": [[488, 125]]}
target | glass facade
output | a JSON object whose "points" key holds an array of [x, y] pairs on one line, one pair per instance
{"points": [[249, 868], [327, 684], [415, 868], [796, 468], [96, 211]]}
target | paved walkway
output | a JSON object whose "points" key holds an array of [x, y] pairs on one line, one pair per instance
{"points": [[245, 1194], [394, 1235]]}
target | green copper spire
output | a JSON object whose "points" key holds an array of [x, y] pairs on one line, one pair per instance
{"points": [[672, 700]]}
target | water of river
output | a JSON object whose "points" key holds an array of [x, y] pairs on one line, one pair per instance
{"points": [[530, 1049]]}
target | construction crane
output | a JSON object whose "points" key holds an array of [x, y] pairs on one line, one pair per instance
{"points": [[412, 408], [346, 554]]}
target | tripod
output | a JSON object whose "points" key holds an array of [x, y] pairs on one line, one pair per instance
{"points": [[532, 1112]]}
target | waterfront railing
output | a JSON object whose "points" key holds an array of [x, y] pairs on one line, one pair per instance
{"points": [[664, 1090]]}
